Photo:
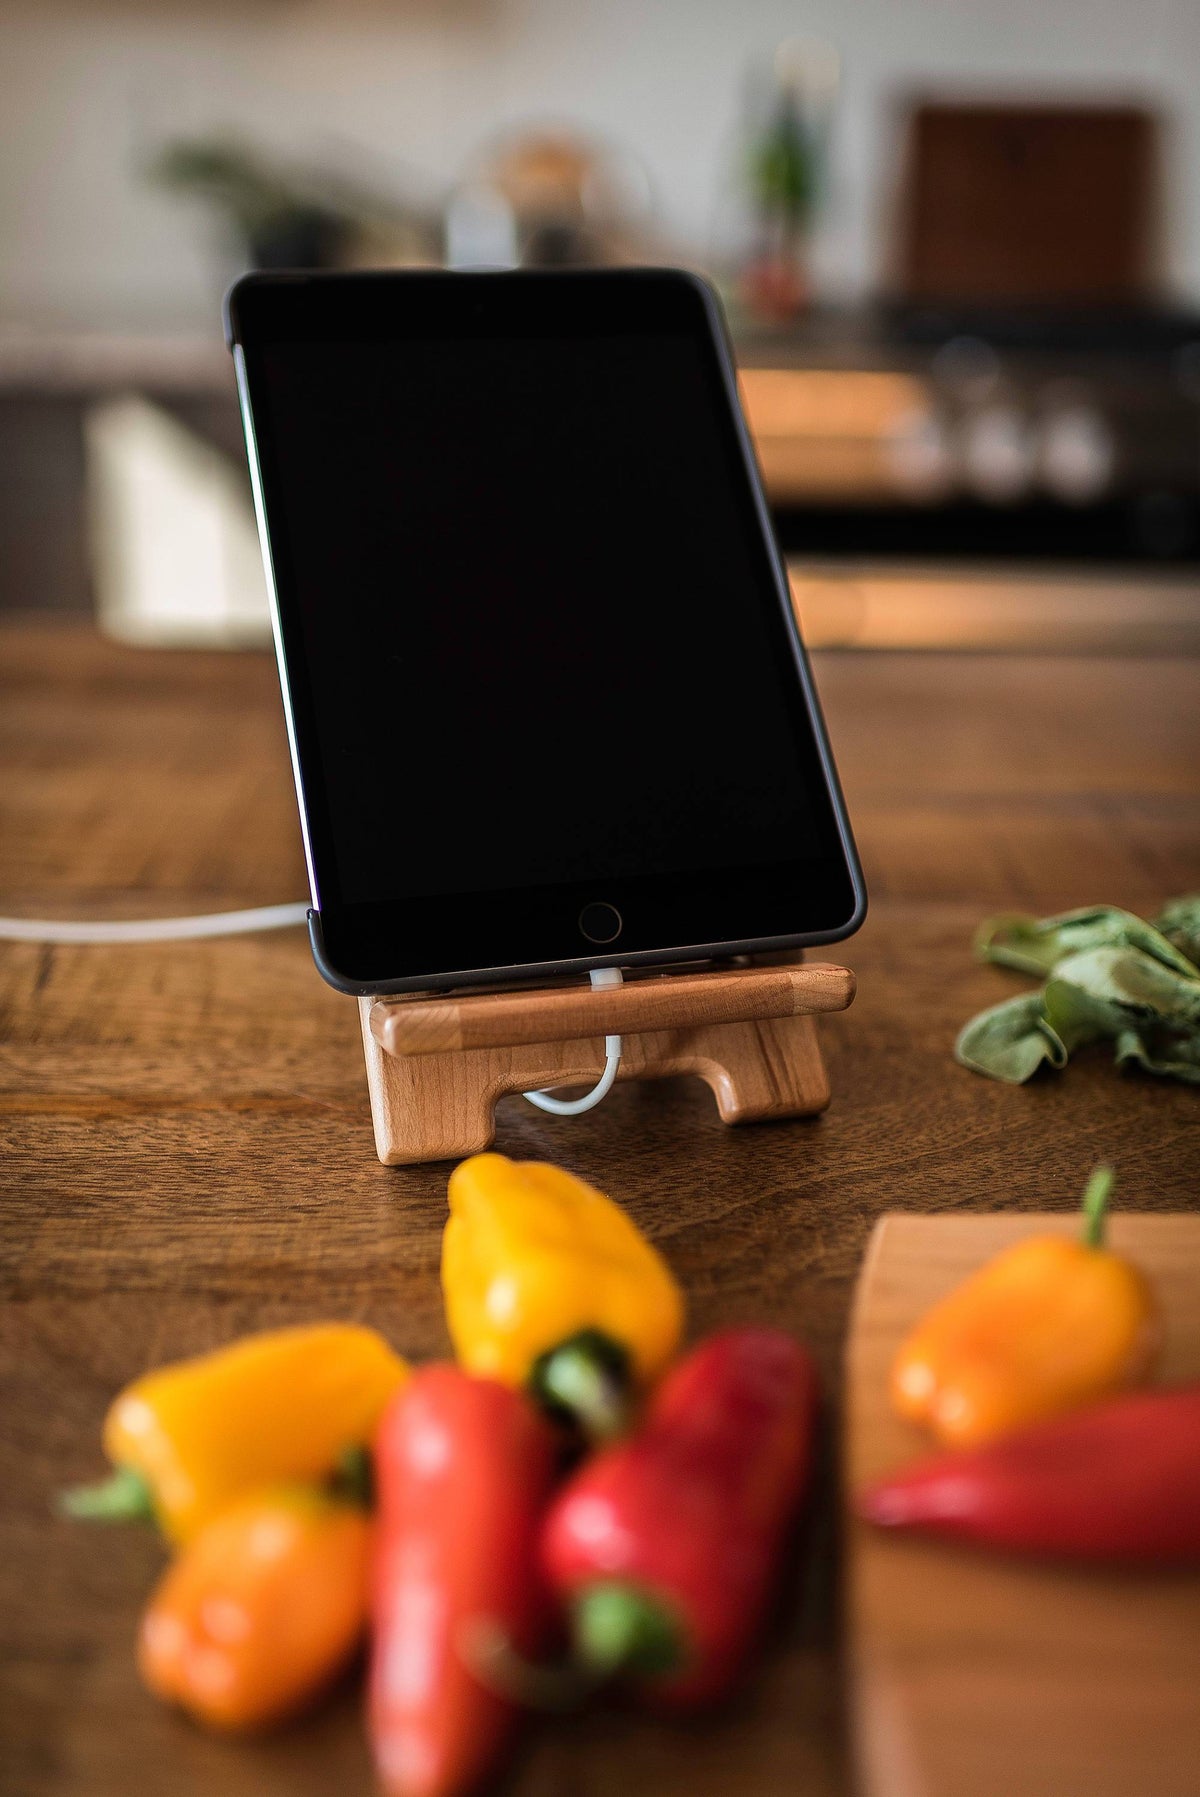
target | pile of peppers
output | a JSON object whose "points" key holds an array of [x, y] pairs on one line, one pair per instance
{"points": [[568, 1502], [1024, 1374]]}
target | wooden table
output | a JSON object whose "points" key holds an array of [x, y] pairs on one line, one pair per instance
{"points": [[188, 1148]]}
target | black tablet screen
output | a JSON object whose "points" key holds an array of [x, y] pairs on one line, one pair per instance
{"points": [[544, 644]]}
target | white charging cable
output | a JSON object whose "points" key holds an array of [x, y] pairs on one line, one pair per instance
{"points": [[575, 1107], [154, 929]]}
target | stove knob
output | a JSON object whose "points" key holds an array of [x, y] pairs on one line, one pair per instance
{"points": [[998, 454], [1077, 455]]}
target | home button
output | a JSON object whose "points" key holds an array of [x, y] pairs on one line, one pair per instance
{"points": [[600, 923]]}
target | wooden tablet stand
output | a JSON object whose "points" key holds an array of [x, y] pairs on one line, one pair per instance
{"points": [[436, 1066]]}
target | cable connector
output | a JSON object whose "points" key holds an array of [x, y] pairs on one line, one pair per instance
{"points": [[575, 1107]]}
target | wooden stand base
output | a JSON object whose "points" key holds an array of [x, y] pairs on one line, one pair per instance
{"points": [[437, 1066]]}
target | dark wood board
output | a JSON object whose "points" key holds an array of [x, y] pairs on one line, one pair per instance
{"points": [[187, 1144]]}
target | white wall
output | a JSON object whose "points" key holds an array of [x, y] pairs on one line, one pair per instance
{"points": [[88, 88]]}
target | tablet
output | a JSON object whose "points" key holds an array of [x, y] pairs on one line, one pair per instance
{"points": [[547, 704]]}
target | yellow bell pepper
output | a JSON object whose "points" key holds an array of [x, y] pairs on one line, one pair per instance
{"points": [[548, 1285], [1050, 1324], [188, 1438]]}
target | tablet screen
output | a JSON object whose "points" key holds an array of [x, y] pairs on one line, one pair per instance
{"points": [[542, 640]]}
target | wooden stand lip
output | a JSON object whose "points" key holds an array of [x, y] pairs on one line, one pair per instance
{"points": [[567, 1013]]}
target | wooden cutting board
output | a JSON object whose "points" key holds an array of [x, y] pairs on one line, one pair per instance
{"points": [[975, 1676]]}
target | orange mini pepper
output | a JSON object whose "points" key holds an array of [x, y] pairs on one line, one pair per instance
{"points": [[261, 1610], [1050, 1324]]}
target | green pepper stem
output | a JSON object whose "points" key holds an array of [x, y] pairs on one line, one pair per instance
{"points": [[1095, 1202], [123, 1497], [620, 1628], [354, 1477], [487, 1652], [588, 1378], [617, 1629]]}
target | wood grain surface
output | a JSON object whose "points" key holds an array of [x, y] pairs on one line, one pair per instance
{"points": [[187, 1140], [992, 1676]]}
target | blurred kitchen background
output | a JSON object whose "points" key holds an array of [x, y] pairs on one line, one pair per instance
{"points": [[958, 242]]}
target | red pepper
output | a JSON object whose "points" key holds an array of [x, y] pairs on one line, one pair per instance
{"points": [[664, 1545], [463, 1469], [1117, 1481]]}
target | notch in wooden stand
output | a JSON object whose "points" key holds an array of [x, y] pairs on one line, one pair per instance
{"points": [[437, 1066]]}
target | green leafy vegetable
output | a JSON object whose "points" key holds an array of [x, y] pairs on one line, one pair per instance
{"points": [[1109, 976], [1011, 1041], [1037, 944], [1179, 922]]}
